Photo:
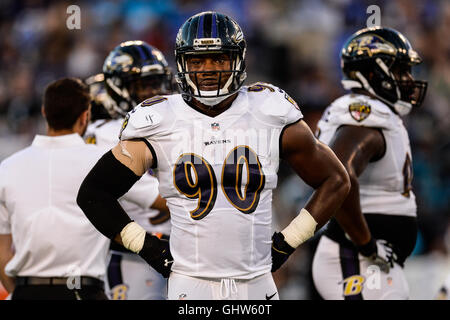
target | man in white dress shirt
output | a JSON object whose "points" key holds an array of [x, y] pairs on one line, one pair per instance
{"points": [[48, 248]]}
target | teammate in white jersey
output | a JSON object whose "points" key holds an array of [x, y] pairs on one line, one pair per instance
{"points": [[215, 150], [132, 72], [365, 130]]}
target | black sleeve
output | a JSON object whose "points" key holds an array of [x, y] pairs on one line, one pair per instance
{"points": [[107, 181]]}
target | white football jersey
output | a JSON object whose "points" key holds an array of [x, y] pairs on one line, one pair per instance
{"points": [[136, 202], [217, 174], [385, 184]]}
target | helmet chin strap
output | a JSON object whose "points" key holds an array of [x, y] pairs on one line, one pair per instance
{"points": [[211, 101], [402, 107], [210, 98]]}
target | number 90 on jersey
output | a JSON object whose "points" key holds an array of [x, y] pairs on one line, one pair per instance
{"points": [[194, 177]]}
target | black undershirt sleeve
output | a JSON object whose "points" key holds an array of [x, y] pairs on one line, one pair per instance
{"points": [[107, 181]]}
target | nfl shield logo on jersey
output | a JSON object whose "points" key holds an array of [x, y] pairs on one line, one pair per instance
{"points": [[215, 126]]}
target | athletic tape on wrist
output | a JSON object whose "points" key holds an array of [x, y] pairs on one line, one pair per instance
{"points": [[133, 237], [300, 229]]}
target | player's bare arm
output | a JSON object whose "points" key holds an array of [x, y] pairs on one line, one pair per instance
{"points": [[356, 147], [160, 204], [135, 155], [319, 167]]}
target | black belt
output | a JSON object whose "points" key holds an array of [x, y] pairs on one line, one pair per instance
{"points": [[58, 281]]}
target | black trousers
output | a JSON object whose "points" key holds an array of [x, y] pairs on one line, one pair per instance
{"points": [[57, 292]]}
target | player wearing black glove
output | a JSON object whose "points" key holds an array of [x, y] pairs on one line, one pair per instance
{"points": [[156, 252], [281, 251], [285, 242], [380, 252]]}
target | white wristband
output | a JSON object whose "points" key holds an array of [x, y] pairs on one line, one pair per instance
{"points": [[133, 236], [300, 229]]}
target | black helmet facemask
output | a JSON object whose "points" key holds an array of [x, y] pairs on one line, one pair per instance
{"points": [[204, 33]]}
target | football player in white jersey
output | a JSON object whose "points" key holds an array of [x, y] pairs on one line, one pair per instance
{"points": [[364, 247], [132, 72], [215, 149]]}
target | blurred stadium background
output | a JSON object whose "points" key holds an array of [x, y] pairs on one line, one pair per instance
{"points": [[293, 44]]}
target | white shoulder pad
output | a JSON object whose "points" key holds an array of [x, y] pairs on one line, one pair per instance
{"points": [[359, 110], [145, 119], [273, 105]]}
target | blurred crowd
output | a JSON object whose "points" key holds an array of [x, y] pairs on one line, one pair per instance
{"points": [[293, 44]]}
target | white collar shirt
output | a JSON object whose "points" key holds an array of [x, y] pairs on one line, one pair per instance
{"points": [[38, 188]]}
